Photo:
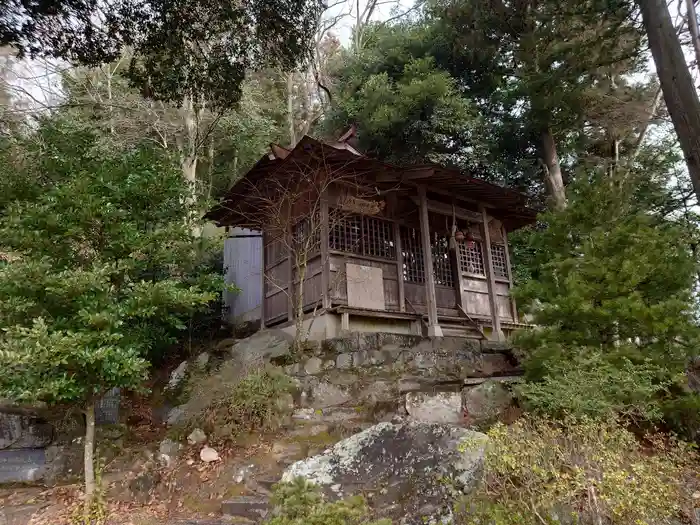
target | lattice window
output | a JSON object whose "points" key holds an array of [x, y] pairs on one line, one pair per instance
{"points": [[379, 238], [471, 259], [442, 263], [412, 251], [345, 233], [362, 235], [498, 259]]}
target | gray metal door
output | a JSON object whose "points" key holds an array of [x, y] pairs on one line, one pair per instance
{"points": [[243, 264]]}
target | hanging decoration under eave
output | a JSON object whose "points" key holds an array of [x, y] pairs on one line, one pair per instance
{"points": [[458, 236]]}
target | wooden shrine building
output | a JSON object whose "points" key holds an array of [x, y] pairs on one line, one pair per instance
{"points": [[355, 244]]}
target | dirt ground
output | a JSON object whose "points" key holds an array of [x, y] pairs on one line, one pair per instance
{"points": [[138, 491]]}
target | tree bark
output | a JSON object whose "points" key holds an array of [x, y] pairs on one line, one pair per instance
{"points": [[89, 454], [693, 26], [189, 148], [676, 82], [189, 158], [290, 110], [109, 98], [210, 167], [553, 177]]}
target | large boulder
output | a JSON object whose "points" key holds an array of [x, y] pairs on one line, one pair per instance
{"points": [[408, 472], [435, 407], [22, 466], [177, 377], [485, 402]]}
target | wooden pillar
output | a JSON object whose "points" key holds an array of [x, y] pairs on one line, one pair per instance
{"points": [[434, 329], [290, 274], [458, 278], [490, 277], [510, 274], [263, 281], [325, 259], [399, 266]]}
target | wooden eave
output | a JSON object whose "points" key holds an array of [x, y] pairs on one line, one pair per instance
{"points": [[234, 209]]}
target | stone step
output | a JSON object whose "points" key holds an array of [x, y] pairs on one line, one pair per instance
{"points": [[422, 384], [499, 379], [264, 485], [22, 466], [254, 508]]}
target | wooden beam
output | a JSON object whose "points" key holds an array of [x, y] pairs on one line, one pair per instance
{"points": [[471, 320], [325, 259], [490, 277], [399, 266], [434, 329], [381, 314], [438, 191], [510, 274], [443, 208], [417, 173]]}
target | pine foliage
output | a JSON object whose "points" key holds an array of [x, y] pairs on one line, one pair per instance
{"points": [[613, 304]]}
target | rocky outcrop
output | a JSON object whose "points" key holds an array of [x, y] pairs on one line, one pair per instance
{"points": [[262, 347], [19, 431], [409, 472]]}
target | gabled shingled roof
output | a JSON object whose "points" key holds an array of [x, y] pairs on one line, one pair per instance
{"points": [[511, 205]]}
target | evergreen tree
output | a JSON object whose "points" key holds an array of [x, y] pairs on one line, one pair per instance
{"points": [[405, 108], [530, 66], [99, 270], [613, 305]]}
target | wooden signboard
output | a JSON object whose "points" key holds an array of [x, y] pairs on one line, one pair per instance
{"points": [[365, 287]]}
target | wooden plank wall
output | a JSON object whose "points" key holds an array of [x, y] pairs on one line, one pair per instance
{"points": [[313, 283], [276, 282], [339, 285], [475, 297]]}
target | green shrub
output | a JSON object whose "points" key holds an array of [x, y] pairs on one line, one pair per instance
{"points": [[578, 471], [299, 503], [591, 384], [234, 401], [682, 414]]}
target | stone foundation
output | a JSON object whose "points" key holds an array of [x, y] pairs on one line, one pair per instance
{"points": [[445, 380]]}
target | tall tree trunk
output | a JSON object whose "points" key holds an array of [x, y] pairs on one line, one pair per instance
{"points": [[108, 69], [290, 110], [552, 171], [188, 152], [677, 84], [358, 30], [89, 453], [210, 167], [693, 26]]}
